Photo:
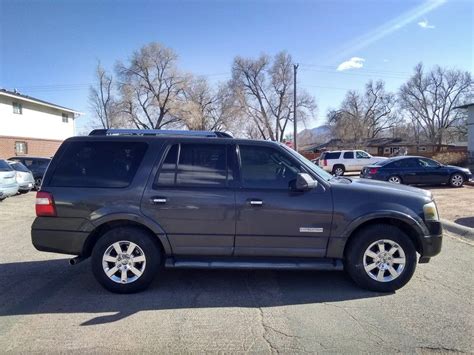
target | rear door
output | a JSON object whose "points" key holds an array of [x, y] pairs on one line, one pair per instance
{"points": [[192, 197], [273, 220]]}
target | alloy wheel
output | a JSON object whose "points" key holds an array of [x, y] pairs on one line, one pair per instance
{"points": [[338, 171], [457, 180], [394, 180], [384, 260], [124, 262]]}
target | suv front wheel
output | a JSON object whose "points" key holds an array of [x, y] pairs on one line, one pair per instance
{"points": [[125, 260], [381, 258]]}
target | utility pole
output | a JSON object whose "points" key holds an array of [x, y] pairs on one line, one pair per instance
{"points": [[295, 68]]}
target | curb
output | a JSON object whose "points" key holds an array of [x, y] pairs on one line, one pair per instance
{"points": [[463, 231]]}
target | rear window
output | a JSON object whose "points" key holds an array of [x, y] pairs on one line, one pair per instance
{"points": [[98, 164], [332, 155], [4, 166]]}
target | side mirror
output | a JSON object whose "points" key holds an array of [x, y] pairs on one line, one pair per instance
{"points": [[304, 182]]}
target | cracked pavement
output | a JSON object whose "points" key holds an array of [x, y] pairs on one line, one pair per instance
{"points": [[48, 306]]}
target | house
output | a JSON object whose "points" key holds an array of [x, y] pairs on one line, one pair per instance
{"points": [[381, 147], [29, 126], [470, 131]]}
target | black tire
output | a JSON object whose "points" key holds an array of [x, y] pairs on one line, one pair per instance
{"points": [[456, 180], [338, 170], [146, 244], [392, 179], [38, 182], [359, 243]]}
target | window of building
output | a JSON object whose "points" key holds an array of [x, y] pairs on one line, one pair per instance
{"points": [[17, 108], [65, 118], [422, 149], [21, 148]]}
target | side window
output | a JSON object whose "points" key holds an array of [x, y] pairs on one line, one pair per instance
{"points": [[427, 163], [264, 167], [195, 164], [98, 164], [362, 155], [332, 155], [202, 164], [348, 155], [403, 163]]}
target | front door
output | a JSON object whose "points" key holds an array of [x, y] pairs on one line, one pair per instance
{"points": [[273, 220], [193, 200]]}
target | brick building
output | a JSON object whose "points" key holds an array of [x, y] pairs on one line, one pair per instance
{"points": [[29, 126]]}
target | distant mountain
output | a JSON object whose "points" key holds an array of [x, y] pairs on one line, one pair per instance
{"points": [[316, 135]]}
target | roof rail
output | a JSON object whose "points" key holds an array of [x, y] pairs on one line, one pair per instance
{"points": [[157, 132]]}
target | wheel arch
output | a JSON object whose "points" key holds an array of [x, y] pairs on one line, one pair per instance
{"points": [[125, 220]]}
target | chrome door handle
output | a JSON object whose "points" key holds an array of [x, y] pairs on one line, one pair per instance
{"points": [[256, 202], [158, 200]]}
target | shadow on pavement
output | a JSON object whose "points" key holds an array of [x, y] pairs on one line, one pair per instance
{"points": [[44, 287], [465, 221]]}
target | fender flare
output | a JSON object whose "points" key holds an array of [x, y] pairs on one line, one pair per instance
{"points": [[337, 245], [139, 219]]}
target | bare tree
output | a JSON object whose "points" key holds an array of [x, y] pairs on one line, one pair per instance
{"points": [[206, 108], [101, 99], [364, 115], [150, 86], [429, 99], [264, 91]]}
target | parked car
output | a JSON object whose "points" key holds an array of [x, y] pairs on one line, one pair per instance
{"points": [[8, 184], [136, 201], [23, 176], [36, 165], [341, 161], [416, 170]]}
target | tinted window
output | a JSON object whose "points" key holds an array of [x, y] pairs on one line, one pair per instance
{"points": [[349, 155], [202, 164], [427, 163], [19, 167], [403, 163], [4, 166], [264, 167], [98, 164], [332, 155], [198, 164]]}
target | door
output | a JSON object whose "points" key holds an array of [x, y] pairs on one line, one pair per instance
{"points": [[349, 161], [362, 159], [430, 172], [193, 200], [273, 220]]}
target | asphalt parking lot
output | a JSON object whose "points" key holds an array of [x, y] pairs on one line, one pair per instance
{"points": [[48, 306]]}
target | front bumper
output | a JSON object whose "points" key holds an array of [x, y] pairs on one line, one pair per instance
{"points": [[431, 244], [9, 190]]}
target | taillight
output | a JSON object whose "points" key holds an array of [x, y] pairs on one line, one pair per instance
{"points": [[325, 162], [373, 171], [45, 204]]}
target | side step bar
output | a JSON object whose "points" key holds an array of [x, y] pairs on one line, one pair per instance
{"points": [[278, 264]]}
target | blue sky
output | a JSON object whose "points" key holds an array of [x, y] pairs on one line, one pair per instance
{"points": [[48, 49]]}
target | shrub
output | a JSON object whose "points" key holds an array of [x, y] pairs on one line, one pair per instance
{"points": [[452, 158]]}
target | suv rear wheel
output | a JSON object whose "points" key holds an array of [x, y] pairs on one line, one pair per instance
{"points": [[125, 260], [381, 258], [338, 170]]}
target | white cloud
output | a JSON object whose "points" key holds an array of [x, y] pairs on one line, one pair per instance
{"points": [[424, 24], [353, 63]]}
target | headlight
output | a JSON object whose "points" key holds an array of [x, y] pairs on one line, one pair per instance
{"points": [[431, 212]]}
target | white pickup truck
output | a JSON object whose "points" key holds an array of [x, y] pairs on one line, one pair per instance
{"points": [[338, 162]]}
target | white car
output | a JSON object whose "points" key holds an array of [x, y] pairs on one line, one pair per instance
{"points": [[23, 176], [8, 184], [338, 162]]}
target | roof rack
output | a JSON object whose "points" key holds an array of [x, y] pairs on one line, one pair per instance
{"points": [[158, 132]]}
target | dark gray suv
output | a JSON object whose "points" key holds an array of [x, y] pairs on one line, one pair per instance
{"points": [[138, 201]]}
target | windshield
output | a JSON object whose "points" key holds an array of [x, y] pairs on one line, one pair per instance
{"points": [[4, 166], [308, 164], [19, 167]]}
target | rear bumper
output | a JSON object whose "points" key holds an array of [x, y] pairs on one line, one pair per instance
{"points": [[56, 241]]}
